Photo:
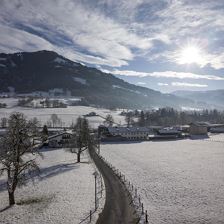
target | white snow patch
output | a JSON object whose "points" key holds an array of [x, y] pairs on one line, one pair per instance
{"points": [[60, 60], [2, 65], [130, 90], [115, 86], [190, 108], [137, 92], [20, 55], [80, 80]]}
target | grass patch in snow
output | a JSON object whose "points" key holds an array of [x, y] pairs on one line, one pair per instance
{"points": [[34, 200]]}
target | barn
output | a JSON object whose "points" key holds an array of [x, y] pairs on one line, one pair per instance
{"points": [[59, 140], [198, 129]]}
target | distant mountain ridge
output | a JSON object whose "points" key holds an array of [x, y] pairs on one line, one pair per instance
{"points": [[45, 70], [212, 97]]}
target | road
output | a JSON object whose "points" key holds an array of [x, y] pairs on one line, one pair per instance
{"points": [[117, 209]]}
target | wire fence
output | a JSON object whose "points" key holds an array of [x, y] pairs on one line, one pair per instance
{"points": [[99, 197], [132, 193]]}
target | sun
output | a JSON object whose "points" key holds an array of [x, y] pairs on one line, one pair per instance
{"points": [[190, 54]]}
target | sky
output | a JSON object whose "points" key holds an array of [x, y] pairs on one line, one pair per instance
{"points": [[166, 45]]}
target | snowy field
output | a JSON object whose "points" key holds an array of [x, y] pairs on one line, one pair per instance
{"points": [[179, 181], [63, 194], [216, 137], [11, 102], [67, 115]]}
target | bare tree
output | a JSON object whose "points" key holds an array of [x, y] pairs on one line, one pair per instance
{"points": [[129, 119], [81, 137], [4, 122], [49, 123], [44, 133], [109, 120], [55, 120], [18, 142], [47, 103], [35, 121]]}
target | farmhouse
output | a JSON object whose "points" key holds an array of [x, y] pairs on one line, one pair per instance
{"points": [[169, 131], [217, 128], [130, 133], [198, 129], [59, 140]]}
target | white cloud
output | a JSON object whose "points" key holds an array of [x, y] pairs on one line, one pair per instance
{"points": [[184, 20], [108, 32], [166, 74], [217, 60], [184, 84], [16, 40], [162, 84], [104, 40]]}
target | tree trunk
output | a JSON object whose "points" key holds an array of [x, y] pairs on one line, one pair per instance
{"points": [[11, 198], [78, 157]]}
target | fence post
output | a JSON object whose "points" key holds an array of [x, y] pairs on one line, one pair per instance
{"points": [[146, 216], [139, 200], [142, 209], [90, 216], [135, 192], [101, 186], [95, 194]]}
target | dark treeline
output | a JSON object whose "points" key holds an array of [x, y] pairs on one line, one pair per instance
{"points": [[170, 116]]}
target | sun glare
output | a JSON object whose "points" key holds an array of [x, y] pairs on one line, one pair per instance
{"points": [[189, 55]]}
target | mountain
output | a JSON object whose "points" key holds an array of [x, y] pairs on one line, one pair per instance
{"points": [[213, 97], [44, 70]]}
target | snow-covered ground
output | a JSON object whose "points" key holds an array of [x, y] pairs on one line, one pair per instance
{"points": [[11, 102], [179, 181], [63, 194], [67, 115], [216, 137]]}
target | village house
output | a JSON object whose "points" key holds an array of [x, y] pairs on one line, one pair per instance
{"points": [[217, 128], [169, 131], [130, 133], [198, 129], [59, 140]]}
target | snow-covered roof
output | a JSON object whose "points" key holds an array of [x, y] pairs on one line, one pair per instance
{"points": [[200, 124], [59, 134], [169, 131], [128, 129], [216, 125]]}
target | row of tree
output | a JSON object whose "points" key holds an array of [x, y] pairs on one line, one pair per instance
{"points": [[45, 103], [53, 121], [170, 116], [52, 103]]}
